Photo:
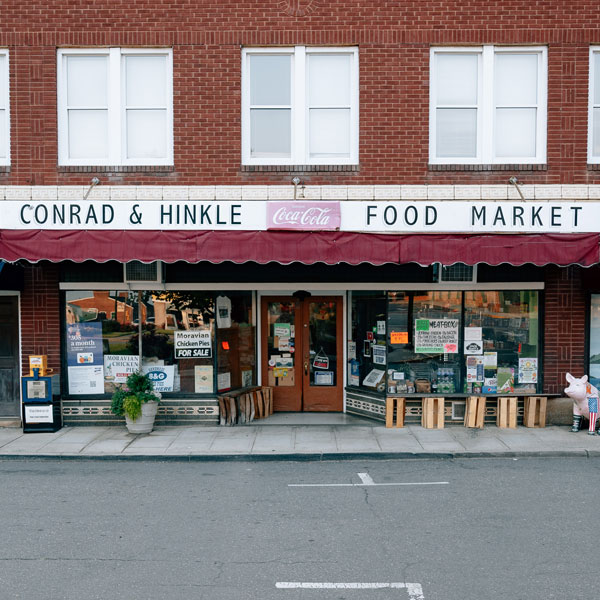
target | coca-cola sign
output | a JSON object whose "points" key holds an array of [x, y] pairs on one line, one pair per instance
{"points": [[309, 216]]}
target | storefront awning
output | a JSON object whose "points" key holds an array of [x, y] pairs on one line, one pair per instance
{"points": [[287, 247]]}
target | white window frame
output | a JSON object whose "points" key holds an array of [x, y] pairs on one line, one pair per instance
{"points": [[5, 97], [117, 130], [300, 106], [592, 160], [486, 105]]}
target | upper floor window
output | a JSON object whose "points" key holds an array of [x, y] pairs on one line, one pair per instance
{"points": [[115, 106], [299, 106], [488, 105], [4, 110], [594, 107]]}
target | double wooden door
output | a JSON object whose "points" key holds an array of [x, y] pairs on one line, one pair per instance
{"points": [[302, 352]]}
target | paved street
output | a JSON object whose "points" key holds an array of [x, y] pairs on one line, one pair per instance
{"points": [[456, 529]]}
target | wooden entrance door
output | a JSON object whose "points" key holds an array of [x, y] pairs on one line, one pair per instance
{"points": [[9, 357], [302, 352]]}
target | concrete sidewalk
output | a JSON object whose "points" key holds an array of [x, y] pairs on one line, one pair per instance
{"points": [[286, 437]]}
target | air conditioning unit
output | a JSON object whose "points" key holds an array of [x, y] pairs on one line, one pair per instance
{"points": [[456, 273], [139, 272]]}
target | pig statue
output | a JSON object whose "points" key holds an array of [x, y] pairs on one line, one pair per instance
{"points": [[585, 402]]}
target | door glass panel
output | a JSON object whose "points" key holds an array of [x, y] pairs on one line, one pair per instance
{"points": [[281, 344], [322, 343]]}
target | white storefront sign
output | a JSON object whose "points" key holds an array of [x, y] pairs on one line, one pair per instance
{"points": [[402, 216]]}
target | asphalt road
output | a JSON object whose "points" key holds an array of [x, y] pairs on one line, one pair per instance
{"points": [[484, 529]]}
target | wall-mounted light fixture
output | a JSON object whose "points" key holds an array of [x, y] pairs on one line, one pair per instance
{"points": [[514, 181], [93, 183]]}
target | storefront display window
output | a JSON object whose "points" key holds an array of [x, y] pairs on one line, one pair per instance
{"points": [[367, 347], [236, 352], [423, 342], [501, 338], [448, 342], [101, 336], [189, 340]]}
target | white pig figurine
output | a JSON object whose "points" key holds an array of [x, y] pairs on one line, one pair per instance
{"points": [[585, 401]]}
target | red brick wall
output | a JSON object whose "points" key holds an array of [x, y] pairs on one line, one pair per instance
{"points": [[394, 39], [40, 317], [565, 327]]}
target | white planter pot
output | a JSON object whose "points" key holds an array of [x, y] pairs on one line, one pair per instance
{"points": [[145, 422]]}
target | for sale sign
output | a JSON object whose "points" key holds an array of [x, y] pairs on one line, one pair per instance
{"points": [[193, 344]]}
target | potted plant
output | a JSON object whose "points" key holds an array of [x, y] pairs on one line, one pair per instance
{"points": [[137, 401]]}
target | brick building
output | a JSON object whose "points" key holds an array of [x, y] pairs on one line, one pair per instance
{"points": [[345, 195]]}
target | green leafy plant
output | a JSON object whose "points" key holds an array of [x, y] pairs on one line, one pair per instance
{"points": [[128, 398]]}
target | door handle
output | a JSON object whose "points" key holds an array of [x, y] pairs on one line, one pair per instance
{"points": [[306, 367]]}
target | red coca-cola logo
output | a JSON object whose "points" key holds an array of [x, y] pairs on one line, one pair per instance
{"points": [[297, 215]]}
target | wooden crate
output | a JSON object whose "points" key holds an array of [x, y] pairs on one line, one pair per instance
{"points": [[243, 407], [534, 414], [506, 415], [399, 406], [475, 411], [433, 413]]}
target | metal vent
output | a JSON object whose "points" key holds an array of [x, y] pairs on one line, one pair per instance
{"points": [[458, 411], [456, 273], [139, 271]]}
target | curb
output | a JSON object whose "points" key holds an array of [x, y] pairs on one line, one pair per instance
{"points": [[303, 457]]}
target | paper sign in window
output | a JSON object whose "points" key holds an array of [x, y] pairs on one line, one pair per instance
{"points": [[399, 337]]}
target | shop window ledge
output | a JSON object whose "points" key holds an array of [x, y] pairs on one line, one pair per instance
{"points": [[299, 168], [157, 170], [488, 167]]}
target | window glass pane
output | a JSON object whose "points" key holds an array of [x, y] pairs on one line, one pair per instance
{"points": [[270, 80], [435, 323], [329, 132], [516, 79], [270, 133], [88, 133], [146, 80], [509, 323], [329, 79], [456, 79], [3, 135], [322, 349], [596, 59], [281, 332], [146, 134], [456, 132], [596, 132], [368, 331], [515, 132], [101, 340], [87, 81], [236, 352], [594, 366], [178, 340]]}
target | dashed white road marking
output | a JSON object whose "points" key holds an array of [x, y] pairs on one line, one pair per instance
{"points": [[415, 590], [366, 480]]}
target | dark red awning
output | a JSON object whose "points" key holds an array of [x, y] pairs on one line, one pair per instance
{"points": [[308, 248]]}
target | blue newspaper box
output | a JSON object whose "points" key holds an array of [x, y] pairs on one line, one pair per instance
{"points": [[41, 407]]}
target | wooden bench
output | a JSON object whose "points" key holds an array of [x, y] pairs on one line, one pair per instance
{"points": [[243, 406], [397, 405], [475, 412], [534, 414]]}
